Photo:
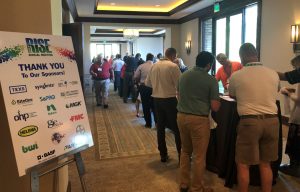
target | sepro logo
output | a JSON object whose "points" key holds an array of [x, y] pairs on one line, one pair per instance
{"points": [[28, 131], [24, 116], [51, 109], [38, 47], [76, 117], [26, 149], [44, 86], [47, 98], [74, 104], [47, 154], [17, 89], [23, 102], [54, 124]]}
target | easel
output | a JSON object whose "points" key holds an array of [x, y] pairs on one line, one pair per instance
{"points": [[35, 174]]}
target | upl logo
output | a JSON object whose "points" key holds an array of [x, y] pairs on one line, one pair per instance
{"points": [[38, 47]]}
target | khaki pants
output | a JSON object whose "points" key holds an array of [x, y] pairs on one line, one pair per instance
{"points": [[195, 133]]}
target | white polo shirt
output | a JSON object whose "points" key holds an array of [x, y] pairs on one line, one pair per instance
{"points": [[255, 88]]}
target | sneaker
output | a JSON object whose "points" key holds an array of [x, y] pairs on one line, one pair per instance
{"points": [[148, 126], [105, 106], [164, 159]]}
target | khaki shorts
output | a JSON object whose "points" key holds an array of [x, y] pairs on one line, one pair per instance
{"points": [[257, 140]]}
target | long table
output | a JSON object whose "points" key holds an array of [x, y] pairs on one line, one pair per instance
{"points": [[221, 150]]}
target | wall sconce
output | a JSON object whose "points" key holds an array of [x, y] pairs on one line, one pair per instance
{"points": [[188, 46], [295, 38]]}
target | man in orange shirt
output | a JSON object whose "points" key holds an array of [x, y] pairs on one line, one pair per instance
{"points": [[225, 71]]}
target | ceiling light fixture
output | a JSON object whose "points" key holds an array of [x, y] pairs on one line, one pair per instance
{"points": [[113, 4], [130, 34]]}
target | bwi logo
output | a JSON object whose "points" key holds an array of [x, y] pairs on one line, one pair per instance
{"points": [[26, 149], [51, 109], [38, 47]]}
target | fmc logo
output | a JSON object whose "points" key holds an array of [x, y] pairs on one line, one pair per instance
{"points": [[51, 109], [38, 47], [28, 130], [17, 89], [76, 117]]}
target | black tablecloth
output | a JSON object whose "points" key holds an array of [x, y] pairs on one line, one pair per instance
{"points": [[221, 150]]}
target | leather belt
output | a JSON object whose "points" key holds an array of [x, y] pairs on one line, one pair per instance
{"points": [[263, 116]]}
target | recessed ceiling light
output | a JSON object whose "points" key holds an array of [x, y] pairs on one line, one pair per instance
{"points": [[157, 5], [112, 4]]}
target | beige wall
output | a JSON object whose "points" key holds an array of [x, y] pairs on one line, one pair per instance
{"points": [[30, 16], [189, 31], [276, 49]]}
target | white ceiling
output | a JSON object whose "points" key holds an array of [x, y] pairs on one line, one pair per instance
{"points": [[85, 8]]}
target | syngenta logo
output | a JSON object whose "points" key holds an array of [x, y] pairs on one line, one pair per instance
{"points": [[17, 89], [33, 147], [74, 104], [44, 86], [28, 130], [38, 47], [51, 109]]}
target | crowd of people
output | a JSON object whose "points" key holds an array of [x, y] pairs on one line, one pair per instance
{"points": [[182, 99]]}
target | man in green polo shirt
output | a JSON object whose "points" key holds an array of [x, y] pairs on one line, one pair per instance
{"points": [[198, 93]]}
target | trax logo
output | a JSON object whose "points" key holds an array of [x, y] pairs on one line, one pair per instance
{"points": [[24, 116], [36, 47], [44, 86], [23, 102], [74, 104], [28, 130], [53, 124], [47, 98], [17, 89], [57, 137], [80, 129], [70, 146], [51, 109], [76, 117], [47, 154], [30, 148]]}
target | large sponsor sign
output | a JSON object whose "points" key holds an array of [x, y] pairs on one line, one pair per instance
{"points": [[43, 97]]}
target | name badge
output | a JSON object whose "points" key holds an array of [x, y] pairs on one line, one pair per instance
{"points": [[99, 69]]}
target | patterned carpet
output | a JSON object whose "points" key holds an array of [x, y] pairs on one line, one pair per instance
{"points": [[121, 134]]}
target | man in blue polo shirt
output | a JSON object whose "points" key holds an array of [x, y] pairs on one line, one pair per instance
{"points": [[198, 93]]}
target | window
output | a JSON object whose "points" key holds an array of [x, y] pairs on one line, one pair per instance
{"points": [[207, 35], [105, 49]]}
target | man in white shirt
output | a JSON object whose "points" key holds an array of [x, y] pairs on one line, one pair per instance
{"points": [[163, 78], [117, 65], [140, 76], [255, 88]]}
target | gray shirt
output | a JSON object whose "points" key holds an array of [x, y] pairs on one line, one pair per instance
{"points": [[142, 71]]}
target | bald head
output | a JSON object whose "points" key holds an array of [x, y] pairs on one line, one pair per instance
{"points": [[248, 53], [222, 59]]}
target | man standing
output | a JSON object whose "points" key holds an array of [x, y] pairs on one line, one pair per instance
{"points": [[198, 93], [163, 78], [101, 72], [128, 84], [140, 76], [117, 66], [226, 70], [255, 88]]}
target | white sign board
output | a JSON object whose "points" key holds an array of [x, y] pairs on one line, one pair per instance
{"points": [[43, 97]]}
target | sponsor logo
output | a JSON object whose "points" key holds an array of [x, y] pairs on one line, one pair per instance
{"points": [[38, 47], [51, 109], [57, 137], [76, 117], [28, 131], [47, 154], [47, 98], [72, 93], [63, 83], [80, 129], [74, 104], [52, 124], [44, 86], [69, 146], [33, 147], [23, 102], [24, 116], [17, 89]]}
